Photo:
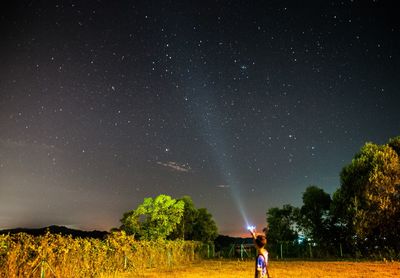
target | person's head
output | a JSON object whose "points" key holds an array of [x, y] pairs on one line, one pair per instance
{"points": [[261, 241]]}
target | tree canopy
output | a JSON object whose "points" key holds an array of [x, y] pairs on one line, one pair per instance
{"points": [[370, 193], [314, 213], [281, 223], [167, 218], [154, 218], [196, 224]]}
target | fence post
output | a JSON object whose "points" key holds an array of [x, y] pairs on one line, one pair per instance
{"points": [[341, 251], [232, 250], [281, 252]]}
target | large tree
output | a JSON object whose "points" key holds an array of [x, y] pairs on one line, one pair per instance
{"points": [[196, 224], [204, 227], [282, 224], [282, 229], [370, 194], [185, 229], [154, 218], [314, 214]]}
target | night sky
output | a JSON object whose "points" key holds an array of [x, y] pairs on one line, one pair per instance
{"points": [[239, 104]]}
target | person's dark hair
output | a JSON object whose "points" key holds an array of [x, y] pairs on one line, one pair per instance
{"points": [[261, 241]]}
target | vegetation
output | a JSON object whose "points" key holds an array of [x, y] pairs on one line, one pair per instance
{"points": [[154, 219], [164, 217], [22, 255], [361, 219]]}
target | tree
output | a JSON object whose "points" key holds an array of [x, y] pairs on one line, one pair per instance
{"points": [[204, 227], [185, 229], [281, 224], [370, 191], [314, 214], [196, 224], [341, 225], [154, 218], [394, 143]]}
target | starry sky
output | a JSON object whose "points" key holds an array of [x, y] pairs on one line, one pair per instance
{"points": [[239, 104]]}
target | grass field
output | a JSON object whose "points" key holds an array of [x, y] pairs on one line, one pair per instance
{"points": [[238, 269]]}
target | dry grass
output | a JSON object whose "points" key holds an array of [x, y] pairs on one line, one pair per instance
{"points": [[238, 269]]}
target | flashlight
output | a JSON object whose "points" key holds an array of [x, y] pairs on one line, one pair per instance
{"points": [[251, 228]]}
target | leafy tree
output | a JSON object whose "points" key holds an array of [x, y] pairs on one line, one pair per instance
{"points": [[282, 229], [314, 214], [341, 227], [196, 224], [154, 218], [185, 229], [370, 193], [394, 143], [281, 224], [204, 227]]}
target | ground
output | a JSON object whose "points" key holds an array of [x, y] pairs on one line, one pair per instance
{"points": [[238, 269]]}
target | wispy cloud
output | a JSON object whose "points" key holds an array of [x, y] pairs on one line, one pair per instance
{"points": [[175, 166], [223, 186]]}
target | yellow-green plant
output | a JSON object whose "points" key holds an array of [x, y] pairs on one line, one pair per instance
{"points": [[22, 255]]}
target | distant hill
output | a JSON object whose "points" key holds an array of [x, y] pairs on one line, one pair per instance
{"points": [[57, 230]]}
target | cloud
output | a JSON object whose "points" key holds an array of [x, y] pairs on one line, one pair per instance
{"points": [[223, 186], [175, 166]]}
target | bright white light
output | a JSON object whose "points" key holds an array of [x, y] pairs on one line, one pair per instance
{"points": [[251, 228]]}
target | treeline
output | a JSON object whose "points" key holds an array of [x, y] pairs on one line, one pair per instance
{"points": [[61, 230], [360, 219]]}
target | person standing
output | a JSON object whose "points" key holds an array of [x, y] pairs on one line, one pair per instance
{"points": [[260, 241]]}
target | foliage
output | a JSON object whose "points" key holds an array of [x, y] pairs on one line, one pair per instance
{"points": [[204, 228], [281, 223], [154, 219], [370, 193], [314, 214], [196, 224], [361, 218], [22, 255], [184, 230], [394, 143]]}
